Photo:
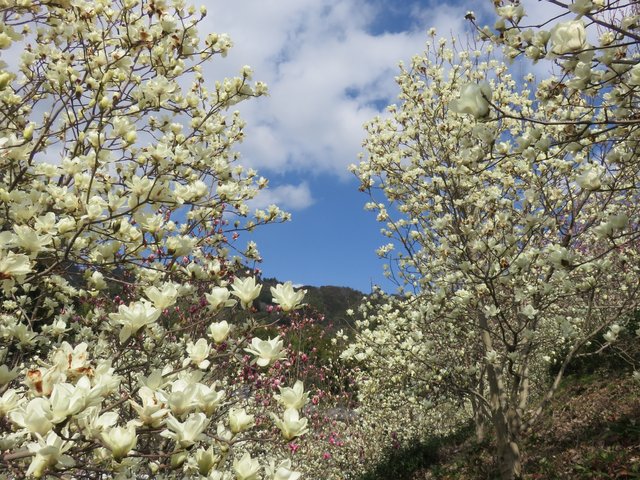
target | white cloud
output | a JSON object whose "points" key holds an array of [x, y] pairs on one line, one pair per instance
{"points": [[288, 197], [327, 74]]}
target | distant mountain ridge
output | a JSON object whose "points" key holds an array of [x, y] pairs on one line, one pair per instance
{"points": [[331, 301]]}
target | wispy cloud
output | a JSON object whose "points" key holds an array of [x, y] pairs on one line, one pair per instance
{"points": [[328, 70], [287, 197]]}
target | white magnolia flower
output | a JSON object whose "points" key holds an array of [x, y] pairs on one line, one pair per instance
{"points": [[14, 265], [246, 468], [36, 416], [590, 179], [219, 331], [511, 12], [219, 298], [182, 397], [188, 432], [151, 411], [208, 399], [162, 297], [582, 7], [206, 459], [246, 290], [239, 420], [120, 440], [49, 453], [29, 240], [291, 425], [293, 397], [73, 361], [474, 100], [7, 375], [568, 37], [9, 401], [134, 317], [612, 335], [286, 297], [282, 471], [266, 351], [198, 353]]}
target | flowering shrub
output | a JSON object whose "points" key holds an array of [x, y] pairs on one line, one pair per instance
{"points": [[125, 321], [512, 209]]}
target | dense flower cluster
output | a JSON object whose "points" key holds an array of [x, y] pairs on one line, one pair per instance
{"points": [[120, 193], [512, 210]]}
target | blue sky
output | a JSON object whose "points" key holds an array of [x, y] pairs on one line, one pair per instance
{"points": [[330, 67]]}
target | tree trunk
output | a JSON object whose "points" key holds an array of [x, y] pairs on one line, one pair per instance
{"points": [[508, 444]]}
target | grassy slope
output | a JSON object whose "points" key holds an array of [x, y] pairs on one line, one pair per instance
{"points": [[591, 431]]}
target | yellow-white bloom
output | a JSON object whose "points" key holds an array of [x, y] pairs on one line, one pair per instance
{"points": [[151, 411], [568, 37], [266, 351], [14, 265], [120, 440], [219, 298], [49, 452], [286, 297], [188, 432], [239, 420], [246, 468], [162, 297], [474, 100], [291, 425], [134, 317], [36, 416], [282, 471], [206, 459], [198, 353], [246, 290], [7, 375], [219, 331], [293, 397]]}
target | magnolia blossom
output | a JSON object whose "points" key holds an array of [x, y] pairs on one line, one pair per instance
{"points": [[120, 440], [13, 265], [182, 397], [293, 397], [219, 298], [49, 453], [568, 37], [9, 401], [590, 179], [266, 351], [282, 471], [198, 353], [208, 399], [74, 361], [162, 297], [246, 290], [7, 375], [151, 411], [612, 335], [206, 459], [286, 297], [246, 468], [474, 100], [188, 432], [134, 317], [239, 420], [291, 425], [35, 416], [219, 331]]}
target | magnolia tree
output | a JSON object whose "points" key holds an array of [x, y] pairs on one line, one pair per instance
{"points": [[127, 328], [512, 211]]}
